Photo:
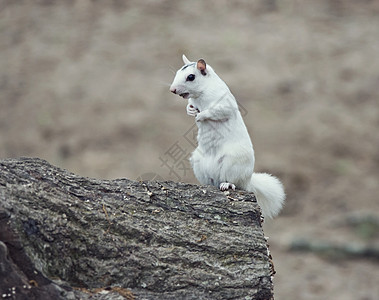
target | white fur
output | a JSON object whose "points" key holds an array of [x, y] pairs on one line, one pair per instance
{"points": [[225, 155]]}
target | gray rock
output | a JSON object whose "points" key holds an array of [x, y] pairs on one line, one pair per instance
{"points": [[122, 239]]}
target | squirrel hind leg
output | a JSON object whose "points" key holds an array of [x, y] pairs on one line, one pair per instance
{"points": [[224, 186]]}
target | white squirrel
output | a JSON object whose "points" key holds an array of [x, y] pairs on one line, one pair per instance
{"points": [[225, 155]]}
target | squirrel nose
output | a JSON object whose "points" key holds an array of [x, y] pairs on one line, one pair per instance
{"points": [[173, 90]]}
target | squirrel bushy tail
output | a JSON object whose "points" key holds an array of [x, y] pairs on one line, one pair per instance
{"points": [[269, 192]]}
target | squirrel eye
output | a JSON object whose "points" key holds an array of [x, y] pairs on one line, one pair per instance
{"points": [[190, 77]]}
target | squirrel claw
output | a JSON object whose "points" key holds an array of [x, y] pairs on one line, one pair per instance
{"points": [[226, 185]]}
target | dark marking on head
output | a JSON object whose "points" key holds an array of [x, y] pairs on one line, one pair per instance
{"points": [[186, 66]]}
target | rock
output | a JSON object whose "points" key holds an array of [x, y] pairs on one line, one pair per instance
{"points": [[68, 237]]}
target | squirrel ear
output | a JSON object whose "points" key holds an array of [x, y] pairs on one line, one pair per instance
{"points": [[202, 66], [185, 60]]}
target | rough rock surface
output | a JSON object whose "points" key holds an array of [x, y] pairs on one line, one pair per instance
{"points": [[63, 236]]}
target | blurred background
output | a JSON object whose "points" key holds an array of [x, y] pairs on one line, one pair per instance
{"points": [[85, 85]]}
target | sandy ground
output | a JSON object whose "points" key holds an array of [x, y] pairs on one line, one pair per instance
{"points": [[84, 84]]}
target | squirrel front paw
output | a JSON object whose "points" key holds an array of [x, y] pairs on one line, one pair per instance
{"points": [[192, 111], [202, 116]]}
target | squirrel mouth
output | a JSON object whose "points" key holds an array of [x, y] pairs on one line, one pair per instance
{"points": [[184, 95]]}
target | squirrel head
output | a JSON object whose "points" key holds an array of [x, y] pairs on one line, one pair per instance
{"points": [[191, 80]]}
